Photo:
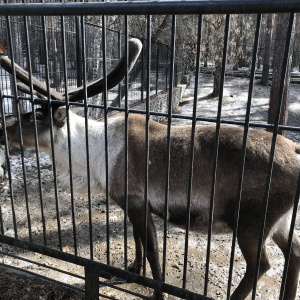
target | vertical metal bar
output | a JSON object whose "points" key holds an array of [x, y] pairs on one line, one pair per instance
{"points": [[8, 168], [20, 133], [106, 136], [142, 70], [84, 77], [216, 153], [168, 150], [45, 41], [167, 61], [126, 112], [91, 284], [69, 132], [78, 50], [290, 239], [119, 56], [28, 56], [243, 154], [146, 200], [2, 72], [1, 221], [272, 151], [192, 153], [176, 74], [157, 66]]}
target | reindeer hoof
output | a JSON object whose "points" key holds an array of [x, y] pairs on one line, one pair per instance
{"points": [[157, 296], [161, 297], [135, 268]]}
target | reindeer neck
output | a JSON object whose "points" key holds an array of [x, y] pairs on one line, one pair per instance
{"points": [[78, 144]]}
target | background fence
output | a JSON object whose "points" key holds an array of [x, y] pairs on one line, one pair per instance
{"points": [[71, 34]]}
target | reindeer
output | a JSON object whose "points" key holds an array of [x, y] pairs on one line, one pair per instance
{"points": [[282, 189]]}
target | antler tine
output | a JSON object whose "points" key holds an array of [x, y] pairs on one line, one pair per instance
{"points": [[25, 89], [23, 76], [114, 77]]}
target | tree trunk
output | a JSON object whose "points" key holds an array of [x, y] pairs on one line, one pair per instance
{"points": [[218, 55], [278, 56], [95, 67], [160, 29], [268, 40], [296, 60], [238, 63], [217, 78], [207, 45], [296, 51], [139, 66], [56, 55]]}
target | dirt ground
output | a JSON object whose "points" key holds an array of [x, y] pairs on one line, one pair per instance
{"points": [[18, 286]]}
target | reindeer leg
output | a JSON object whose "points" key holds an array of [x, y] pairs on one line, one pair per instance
{"points": [[248, 245], [136, 216], [280, 237], [136, 266]]}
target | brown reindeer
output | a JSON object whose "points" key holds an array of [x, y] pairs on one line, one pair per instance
{"points": [[281, 195]]}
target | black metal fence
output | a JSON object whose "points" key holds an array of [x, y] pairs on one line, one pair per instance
{"points": [[71, 32], [40, 215]]}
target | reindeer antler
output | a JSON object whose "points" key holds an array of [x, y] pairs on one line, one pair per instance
{"points": [[114, 77], [93, 87], [23, 76]]}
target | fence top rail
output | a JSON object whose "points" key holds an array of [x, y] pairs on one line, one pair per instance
{"points": [[153, 7]]}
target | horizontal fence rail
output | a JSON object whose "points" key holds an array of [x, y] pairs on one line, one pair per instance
{"points": [[159, 8], [225, 168]]}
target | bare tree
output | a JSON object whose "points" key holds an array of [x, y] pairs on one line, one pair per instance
{"points": [[267, 52], [56, 53], [206, 44], [156, 36], [296, 51], [282, 21], [218, 53]]}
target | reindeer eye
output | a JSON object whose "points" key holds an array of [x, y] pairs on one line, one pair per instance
{"points": [[38, 117]]}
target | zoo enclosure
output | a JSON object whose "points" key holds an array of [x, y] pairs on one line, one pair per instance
{"points": [[94, 269], [160, 59]]}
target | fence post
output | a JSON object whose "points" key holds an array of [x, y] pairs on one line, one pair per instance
{"points": [[119, 56], [167, 63], [91, 284], [157, 66], [142, 71]]}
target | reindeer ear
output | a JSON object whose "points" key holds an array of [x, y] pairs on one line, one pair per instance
{"points": [[60, 114]]}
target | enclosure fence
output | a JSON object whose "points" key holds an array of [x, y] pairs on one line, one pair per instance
{"points": [[94, 62], [40, 215]]}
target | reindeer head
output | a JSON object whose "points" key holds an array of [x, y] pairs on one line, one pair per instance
{"points": [[39, 120]]}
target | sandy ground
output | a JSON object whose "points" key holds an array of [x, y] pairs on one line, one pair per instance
{"points": [[234, 106]]}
